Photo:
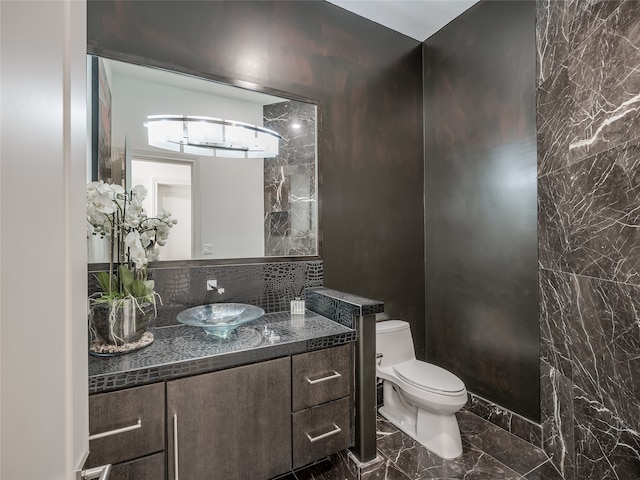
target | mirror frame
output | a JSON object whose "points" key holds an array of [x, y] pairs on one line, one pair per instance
{"points": [[152, 63]]}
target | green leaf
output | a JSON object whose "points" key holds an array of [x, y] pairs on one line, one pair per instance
{"points": [[139, 289], [104, 281], [126, 277]]}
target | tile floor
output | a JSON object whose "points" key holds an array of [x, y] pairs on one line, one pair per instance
{"points": [[489, 453]]}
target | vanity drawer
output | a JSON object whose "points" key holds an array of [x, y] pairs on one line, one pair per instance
{"points": [[320, 431], [147, 468], [321, 376], [126, 424]]}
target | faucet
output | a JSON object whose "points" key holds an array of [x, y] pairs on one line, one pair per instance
{"points": [[213, 285]]}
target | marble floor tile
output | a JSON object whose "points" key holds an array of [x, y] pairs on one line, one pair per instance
{"points": [[505, 447], [334, 467], [489, 453], [385, 471], [546, 471]]}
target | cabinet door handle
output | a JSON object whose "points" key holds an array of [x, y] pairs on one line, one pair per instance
{"points": [[101, 473], [176, 475], [116, 431], [324, 379], [335, 431]]}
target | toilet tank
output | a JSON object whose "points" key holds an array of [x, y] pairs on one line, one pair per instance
{"points": [[394, 341]]}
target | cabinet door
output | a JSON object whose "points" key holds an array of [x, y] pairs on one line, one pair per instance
{"points": [[231, 424], [146, 468], [126, 424]]}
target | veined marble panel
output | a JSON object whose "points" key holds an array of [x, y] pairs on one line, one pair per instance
{"points": [[505, 419], [554, 20], [562, 24], [554, 104], [603, 67], [589, 216], [590, 334], [558, 424], [606, 447], [290, 181], [556, 312], [606, 346], [589, 227]]}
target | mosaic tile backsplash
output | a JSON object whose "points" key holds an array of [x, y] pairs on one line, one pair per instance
{"points": [[270, 286], [589, 277]]}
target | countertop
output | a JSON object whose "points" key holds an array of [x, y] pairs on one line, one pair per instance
{"points": [[182, 350]]}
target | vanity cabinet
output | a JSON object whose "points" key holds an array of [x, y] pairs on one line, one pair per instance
{"points": [[231, 424], [255, 421], [322, 404], [126, 429]]}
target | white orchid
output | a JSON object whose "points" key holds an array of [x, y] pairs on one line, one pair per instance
{"points": [[134, 238]]}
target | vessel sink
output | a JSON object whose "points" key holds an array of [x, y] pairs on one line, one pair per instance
{"points": [[220, 319]]}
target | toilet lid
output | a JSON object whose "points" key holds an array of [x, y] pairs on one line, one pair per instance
{"points": [[429, 377]]}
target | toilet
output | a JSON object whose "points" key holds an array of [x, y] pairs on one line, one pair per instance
{"points": [[419, 398]]}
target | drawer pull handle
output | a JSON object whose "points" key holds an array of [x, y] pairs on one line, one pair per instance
{"points": [[116, 431], [176, 473], [101, 473], [335, 431], [324, 379]]}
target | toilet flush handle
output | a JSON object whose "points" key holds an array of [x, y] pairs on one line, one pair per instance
{"points": [[379, 358]]}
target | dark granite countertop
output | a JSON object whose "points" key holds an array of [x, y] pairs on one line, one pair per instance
{"points": [[182, 350]]}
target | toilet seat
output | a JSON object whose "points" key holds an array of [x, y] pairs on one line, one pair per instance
{"points": [[429, 377]]}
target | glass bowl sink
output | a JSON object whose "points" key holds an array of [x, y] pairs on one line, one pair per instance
{"points": [[220, 319]]}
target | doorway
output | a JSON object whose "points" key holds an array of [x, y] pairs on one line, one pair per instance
{"points": [[168, 184]]}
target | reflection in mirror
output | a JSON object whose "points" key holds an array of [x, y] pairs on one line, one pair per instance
{"points": [[227, 208]]}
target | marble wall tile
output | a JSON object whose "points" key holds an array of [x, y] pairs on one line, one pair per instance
{"points": [[554, 20], [556, 311], [558, 425], [589, 16], [603, 69], [606, 447], [290, 181], [607, 333], [588, 214], [554, 106], [563, 24], [505, 419], [589, 235]]}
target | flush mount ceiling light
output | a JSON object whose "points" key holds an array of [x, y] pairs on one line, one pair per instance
{"points": [[212, 137]]}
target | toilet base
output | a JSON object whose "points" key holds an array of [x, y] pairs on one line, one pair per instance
{"points": [[437, 432]]}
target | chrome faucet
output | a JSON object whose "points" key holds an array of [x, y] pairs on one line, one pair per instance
{"points": [[213, 285]]}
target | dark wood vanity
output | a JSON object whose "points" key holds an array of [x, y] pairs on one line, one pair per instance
{"points": [[257, 420]]}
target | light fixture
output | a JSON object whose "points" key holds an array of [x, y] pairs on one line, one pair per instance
{"points": [[213, 137]]}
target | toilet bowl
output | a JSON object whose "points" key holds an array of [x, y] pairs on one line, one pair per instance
{"points": [[419, 398]]}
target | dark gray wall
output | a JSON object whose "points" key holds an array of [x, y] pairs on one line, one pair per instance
{"points": [[367, 80], [589, 197], [480, 197]]}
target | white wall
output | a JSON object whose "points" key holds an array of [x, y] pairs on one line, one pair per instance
{"points": [[43, 280], [230, 206], [148, 174]]}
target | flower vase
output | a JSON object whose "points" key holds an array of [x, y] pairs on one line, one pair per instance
{"points": [[120, 326]]}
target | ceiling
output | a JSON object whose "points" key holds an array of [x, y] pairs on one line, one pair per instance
{"points": [[418, 19]]}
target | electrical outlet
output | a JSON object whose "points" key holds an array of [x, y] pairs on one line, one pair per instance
{"points": [[207, 249]]}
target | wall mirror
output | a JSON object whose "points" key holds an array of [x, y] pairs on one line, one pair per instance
{"points": [[227, 206]]}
